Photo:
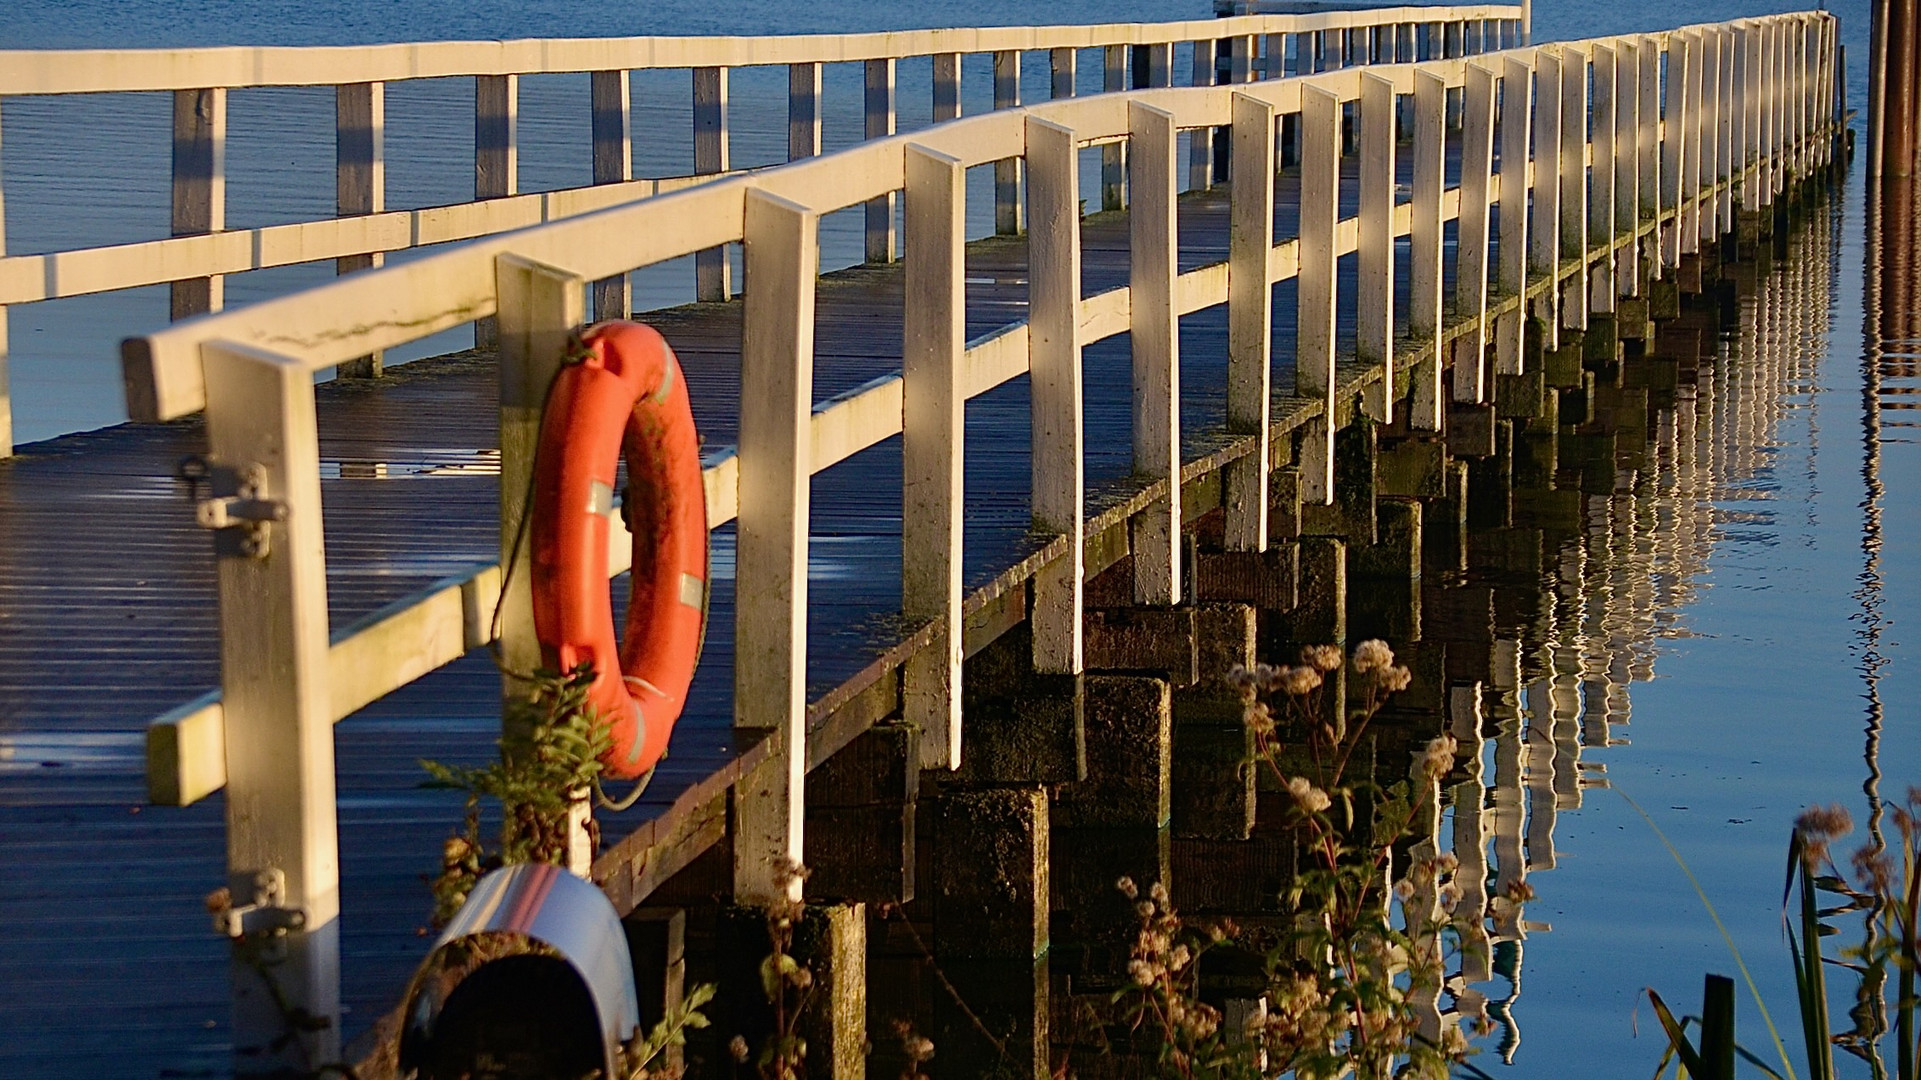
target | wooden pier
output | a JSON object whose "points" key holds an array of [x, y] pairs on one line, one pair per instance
{"points": [[992, 510]]}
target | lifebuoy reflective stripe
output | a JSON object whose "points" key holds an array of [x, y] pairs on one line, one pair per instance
{"points": [[622, 394]]}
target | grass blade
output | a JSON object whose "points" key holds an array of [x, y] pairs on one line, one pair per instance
{"points": [[1677, 1036]]}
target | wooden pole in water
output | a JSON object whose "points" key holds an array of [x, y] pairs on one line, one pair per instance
{"points": [[1894, 94]]}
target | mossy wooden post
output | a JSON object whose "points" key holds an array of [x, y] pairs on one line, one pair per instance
{"points": [[1212, 778], [1314, 333], [1054, 290], [282, 838], [933, 428], [862, 805], [830, 942], [1155, 340], [657, 948], [360, 182], [782, 242], [1250, 309]]}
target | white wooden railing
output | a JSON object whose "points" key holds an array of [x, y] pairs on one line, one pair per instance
{"points": [[203, 249], [1643, 147]]}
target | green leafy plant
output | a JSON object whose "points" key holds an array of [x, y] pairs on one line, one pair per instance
{"points": [[653, 1056], [1354, 971], [1881, 887], [538, 782], [789, 987]]}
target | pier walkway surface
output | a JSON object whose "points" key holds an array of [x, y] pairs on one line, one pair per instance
{"points": [[112, 607]]}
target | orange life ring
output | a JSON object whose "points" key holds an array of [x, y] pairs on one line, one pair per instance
{"points": [[622, 395]]}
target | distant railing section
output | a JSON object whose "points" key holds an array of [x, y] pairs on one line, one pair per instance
{"points": [[1612, 160], [202, 248]]}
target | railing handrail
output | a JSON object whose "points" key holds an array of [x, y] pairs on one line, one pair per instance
{"points": [[87, 71]]}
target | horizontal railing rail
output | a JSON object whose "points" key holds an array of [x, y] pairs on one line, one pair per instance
{"points": [[203, 250], [1619, 156]]}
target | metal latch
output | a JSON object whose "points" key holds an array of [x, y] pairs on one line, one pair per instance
{"points": [[239, 510], [266, 916]]}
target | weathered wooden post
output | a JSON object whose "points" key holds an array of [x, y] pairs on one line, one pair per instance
{"points": [[199, 188], [1113, 155], [360, 182], [1200, 147], [933, 426], [283, 860], [782, 243], [1250, 310], [1154, 333], [1424, 243], [1544, 222], [1510, 333], [947, 86], [1599, 230], [1054, 361], [711, 152], [879, 124], [6, 391], [612, 105], [1470, 273], [496, 159], [1314, 287], [1007, 171], [1374, 300], [1573, 295]]}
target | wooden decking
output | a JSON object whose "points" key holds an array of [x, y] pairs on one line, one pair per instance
{"points": [[107, 618]]}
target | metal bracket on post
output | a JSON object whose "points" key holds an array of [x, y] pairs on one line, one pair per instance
{"points": [[266, 916], [239, 510]]}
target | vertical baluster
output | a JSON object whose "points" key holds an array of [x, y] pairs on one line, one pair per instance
{"points": [[1746, 97], [281, 810], [360, 181], [1544, 225], [6, 392], [1200, 145], [1600, 210], [1424, 242], [1725, 111], [1374, 284], [1711, 110], [1771, 116], [711, 152], [1517, 91], [1470, 270], [612, 98], [782, 241], [803, 111], [1054, 364], [1274, 58], [1574, 194], [1007, 171], [1155, 336], [496, 158], [1627, 163], [1314, 286], [1240, 59], [1456, 46], [1113, 155], [1673, 147], [1063, 68], [1649, 152], [933, 430], [880, 124], [1694, 112], [199, 187], [1250, 318], [947, 85]]}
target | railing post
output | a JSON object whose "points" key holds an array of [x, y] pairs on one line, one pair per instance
{"points": [[1673, 148], [1062, 67], [803, 111], [1607, 158], [711, 269], [1007, 171], [1155, 336], [1374, 285], [613, 164], [1470, 268], [1693, 118], [1274, 56], [933, 430], [1724, 113], [360, 182], [1649, 152], [1054, 365], [540, 308], [1424, 242], [496, 158], [1315, 284], [6, 392], [782, 242], [282, 837], [1200, 144], [1544, 225], [947, 87], [1573, 296], [1627, 165], [1456, 46], [879, 125], [1510, 329], [1250, 319], [1114, 154], [199, 187]]}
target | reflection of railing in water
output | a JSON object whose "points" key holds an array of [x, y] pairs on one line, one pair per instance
{"points": [[1616, 590]]}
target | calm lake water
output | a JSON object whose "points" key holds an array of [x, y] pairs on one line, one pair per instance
{"points": [[1774, 664]]}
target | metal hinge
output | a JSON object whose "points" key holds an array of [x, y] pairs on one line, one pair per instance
{"points": [[266, 916], [239, 511]]}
